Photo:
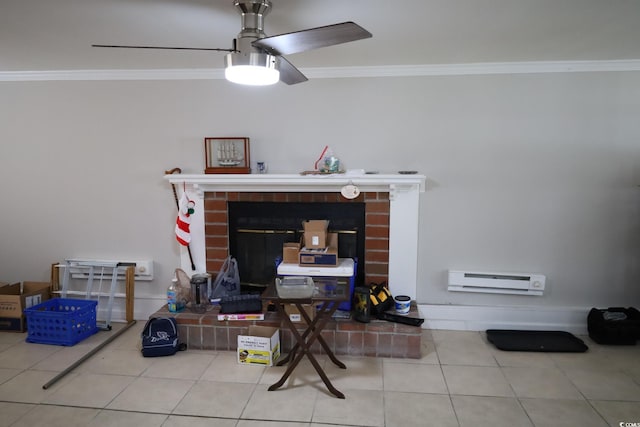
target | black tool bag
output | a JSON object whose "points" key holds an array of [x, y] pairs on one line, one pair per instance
{"points": [[374, 302], [160, 337], [370, 302], [381, 298]]}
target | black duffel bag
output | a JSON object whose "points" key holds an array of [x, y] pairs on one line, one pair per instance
{"points": [[614, 325]]}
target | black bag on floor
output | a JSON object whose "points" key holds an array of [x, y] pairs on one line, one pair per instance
{"points": [[160, 337], [614, 325]]}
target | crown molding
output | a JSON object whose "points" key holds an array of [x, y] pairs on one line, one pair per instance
{"points": [[485, 68], [79, 75]]}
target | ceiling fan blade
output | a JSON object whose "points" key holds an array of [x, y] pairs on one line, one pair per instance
{"points": [[313, 38], [290, 74], [163, 47]]}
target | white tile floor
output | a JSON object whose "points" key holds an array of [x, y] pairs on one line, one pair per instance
{"points": [[461, 380]]}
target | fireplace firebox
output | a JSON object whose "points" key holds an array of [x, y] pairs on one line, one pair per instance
{"points": [[257, 231]]}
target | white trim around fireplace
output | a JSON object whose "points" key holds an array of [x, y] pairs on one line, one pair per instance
{"points": [[404, 195]]}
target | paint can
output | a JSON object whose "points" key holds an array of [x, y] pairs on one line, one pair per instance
{"points": [[403, 304]]}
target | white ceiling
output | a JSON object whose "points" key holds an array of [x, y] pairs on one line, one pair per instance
{"points": [[40, 35]]}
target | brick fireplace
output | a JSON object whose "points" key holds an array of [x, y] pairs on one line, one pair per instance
{"points": [[391, 242], [392, 212]]}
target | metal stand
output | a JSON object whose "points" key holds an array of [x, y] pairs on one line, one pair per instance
{"points": [[96, 268]]}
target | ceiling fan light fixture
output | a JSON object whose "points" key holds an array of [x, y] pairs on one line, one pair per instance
{"points": [[256, 69]]}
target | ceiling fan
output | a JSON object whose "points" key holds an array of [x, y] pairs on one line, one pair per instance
{"points": [[257, 59]]}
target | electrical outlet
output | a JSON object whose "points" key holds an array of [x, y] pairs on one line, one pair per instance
{"points": [[144, 268]]}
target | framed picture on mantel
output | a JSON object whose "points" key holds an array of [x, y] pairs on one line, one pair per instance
{"points": [[227, 155]]}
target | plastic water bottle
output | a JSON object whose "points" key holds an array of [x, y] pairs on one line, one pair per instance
{"points": [[174, 303]]}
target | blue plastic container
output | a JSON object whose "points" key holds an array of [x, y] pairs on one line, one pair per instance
{"points": [[61, 321]]}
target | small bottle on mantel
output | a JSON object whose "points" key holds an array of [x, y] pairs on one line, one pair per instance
{"points": [[174, 304]]}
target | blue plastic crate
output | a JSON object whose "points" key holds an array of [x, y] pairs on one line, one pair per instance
{"points": [[61, 321]]}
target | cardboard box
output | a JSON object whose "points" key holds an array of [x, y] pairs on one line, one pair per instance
{"points": [[290, 252], [260, 347], [13, 302], [321, 257], [315, 233], [294, 313]]}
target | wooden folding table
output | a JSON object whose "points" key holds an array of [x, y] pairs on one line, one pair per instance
{"points": [[327, 297]]}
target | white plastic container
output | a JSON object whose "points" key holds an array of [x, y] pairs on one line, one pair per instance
{"points": [[345, 268]]}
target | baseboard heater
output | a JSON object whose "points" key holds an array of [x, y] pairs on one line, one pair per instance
{"points": [[496, 283]]}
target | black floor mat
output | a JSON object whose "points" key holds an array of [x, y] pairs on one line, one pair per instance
{"points": [[545, 341]]}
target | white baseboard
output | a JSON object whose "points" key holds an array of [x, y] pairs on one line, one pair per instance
{"points": [[480, 318]]}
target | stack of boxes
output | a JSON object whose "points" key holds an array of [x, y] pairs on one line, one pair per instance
{"points": [[317, 247]]}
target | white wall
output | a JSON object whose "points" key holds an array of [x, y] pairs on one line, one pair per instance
{"points": [[526, 173]]}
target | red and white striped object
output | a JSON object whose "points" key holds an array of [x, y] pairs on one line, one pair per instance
{"points": [[183, 235]]}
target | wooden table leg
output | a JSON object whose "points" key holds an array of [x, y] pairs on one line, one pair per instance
{"points": [[129, 293], [327, 308]]}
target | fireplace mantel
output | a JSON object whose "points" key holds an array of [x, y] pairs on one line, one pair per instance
{"points": [[392, 183], [404, 194]]}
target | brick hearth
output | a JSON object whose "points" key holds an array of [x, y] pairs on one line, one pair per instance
{"points": [[378, 338]]}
